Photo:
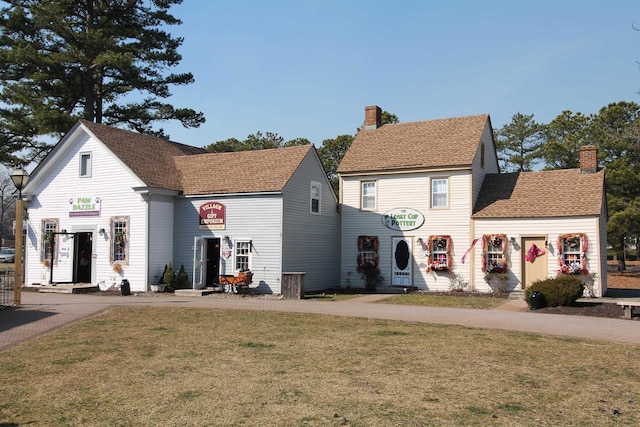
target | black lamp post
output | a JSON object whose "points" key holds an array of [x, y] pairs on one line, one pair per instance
{"points": [[19, 177]]}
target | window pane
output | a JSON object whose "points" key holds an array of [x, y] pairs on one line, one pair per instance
{"points": [[242, 255], [439, 196], [368, 195], [85, 165]]}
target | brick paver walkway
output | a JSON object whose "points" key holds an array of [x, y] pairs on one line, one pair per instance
{"points": [[42, 312]]}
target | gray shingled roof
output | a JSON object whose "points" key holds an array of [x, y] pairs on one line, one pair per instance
{"points": [[555, 193], [240, 172], [169, 165], [433, 143]]}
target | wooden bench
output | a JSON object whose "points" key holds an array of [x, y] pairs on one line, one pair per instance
{"points": [[628, 307]]}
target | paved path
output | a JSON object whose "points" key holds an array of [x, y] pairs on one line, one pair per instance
{"points": [[43, 312]]}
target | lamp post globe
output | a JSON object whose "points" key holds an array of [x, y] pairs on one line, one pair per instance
{"points": [[19, 176]]}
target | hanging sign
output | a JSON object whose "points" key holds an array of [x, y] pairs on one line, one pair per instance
{"points": [[85, 206], [212, 216], [402, 219]]}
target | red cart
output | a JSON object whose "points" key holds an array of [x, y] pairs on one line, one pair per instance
{"points": [[237, 283]]}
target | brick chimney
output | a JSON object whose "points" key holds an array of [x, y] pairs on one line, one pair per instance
{"points": [[372, 117], [588, 159]]}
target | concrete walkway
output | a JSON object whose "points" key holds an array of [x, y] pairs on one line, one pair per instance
{"points": [[43, 312]]}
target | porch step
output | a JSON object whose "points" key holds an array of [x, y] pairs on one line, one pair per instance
{"points": [[194, 292], [80, 288], [516, 295]]}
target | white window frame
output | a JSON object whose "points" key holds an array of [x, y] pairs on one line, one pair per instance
{"points": [[119, 252], [435, 181], [366, 198], [317, 209], [85, 165], [48, 224], [242, 250]]}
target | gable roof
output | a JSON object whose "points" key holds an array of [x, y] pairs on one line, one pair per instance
{"points": [[149, 157], [554, 193], [160, 163], [240, 171], [425, 144]]}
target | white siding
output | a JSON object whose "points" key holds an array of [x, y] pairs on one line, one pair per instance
{"points": [[550, 228], [603, 244], [406, 191], [160, 236], [257, 218], [109, 181], [490, 163], [311, 241]]}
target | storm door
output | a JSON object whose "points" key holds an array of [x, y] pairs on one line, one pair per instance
{"points": [[401, 259]]}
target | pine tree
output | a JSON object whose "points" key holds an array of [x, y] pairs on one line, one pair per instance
{"points": [[101, 60]]}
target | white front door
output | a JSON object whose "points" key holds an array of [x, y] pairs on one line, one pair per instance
{"points": [[402, 260], [198, 262]]}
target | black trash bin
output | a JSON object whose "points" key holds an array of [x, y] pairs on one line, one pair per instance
{"points": [[537, 300], [125, 288]]}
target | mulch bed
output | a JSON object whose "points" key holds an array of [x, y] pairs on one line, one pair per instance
{"points": [[610, 310]]}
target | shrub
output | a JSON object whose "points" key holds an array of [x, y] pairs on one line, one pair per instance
{"points": [[182, 281], [561, 290], [169, 278]]}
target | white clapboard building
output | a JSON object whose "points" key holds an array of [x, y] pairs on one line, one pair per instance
{"points": [[426, 204], [107, 204]]}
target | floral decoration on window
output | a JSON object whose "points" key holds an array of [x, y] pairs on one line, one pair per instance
{"points": [[367, 252], [49, 227], [494, 253], [119, 240], [439, 253], [572, 253]]}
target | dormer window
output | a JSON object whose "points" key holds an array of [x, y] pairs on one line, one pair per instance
{"points": [[85, 165]]}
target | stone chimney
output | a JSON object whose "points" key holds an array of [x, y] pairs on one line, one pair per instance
{"points": [[588, 159], [372, 117]]}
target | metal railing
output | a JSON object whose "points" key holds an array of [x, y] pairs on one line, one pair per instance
{"points": [[7, 278]]}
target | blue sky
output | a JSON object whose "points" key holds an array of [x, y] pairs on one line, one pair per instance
{"points": [[307, 68]]}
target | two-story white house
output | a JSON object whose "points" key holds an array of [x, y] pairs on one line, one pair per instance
{"points": [[107, 204], [426, 204]]}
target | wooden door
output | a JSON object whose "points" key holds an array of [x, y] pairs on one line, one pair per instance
{"points": [[534, 267]]}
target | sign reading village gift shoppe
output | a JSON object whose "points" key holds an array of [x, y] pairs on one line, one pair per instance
{"points": [[402, 219], [212, 216]]}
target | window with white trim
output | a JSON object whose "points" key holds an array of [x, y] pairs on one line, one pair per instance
{"points": [[316, 197], [439, 192], [368, 191], [49, 226], [120, 240], [242, 255], [85, 165]]}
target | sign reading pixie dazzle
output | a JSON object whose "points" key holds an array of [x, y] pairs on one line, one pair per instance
{"points": [[85, 206], [403, 219], [212, 216]]}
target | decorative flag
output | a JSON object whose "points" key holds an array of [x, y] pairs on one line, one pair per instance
{"points": [[464, 257]]}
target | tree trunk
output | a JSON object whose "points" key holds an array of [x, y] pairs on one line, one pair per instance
{"points": [[621, 255]]}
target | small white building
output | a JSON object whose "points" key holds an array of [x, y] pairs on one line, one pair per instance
{"points": [[121, 205], [426, 204]]}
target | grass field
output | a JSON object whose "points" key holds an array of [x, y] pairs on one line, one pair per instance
{"points": [[182, 366]]}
